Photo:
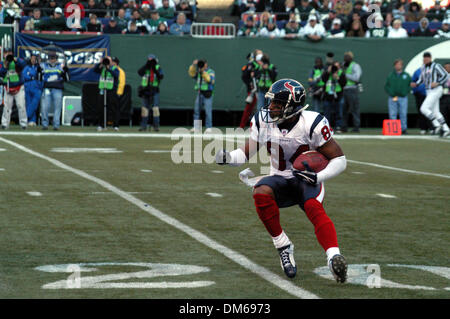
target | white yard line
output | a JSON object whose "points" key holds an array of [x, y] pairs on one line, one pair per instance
{"points": [[103, 193], [35, 194], [84, 150], [386, 195], [236, 257], [398, 169], [214, 194], [158, 151]]}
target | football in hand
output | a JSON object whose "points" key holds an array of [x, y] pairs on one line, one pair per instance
{"points": [[315, 160]]}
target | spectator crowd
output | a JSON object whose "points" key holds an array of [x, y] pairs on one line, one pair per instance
{"points": [[309, 19], [166, 17], [318, 19]]}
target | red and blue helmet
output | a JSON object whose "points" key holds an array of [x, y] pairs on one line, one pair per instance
{"points": [[290, 94]]}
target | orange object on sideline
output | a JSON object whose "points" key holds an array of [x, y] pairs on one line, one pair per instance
{"points": [[392, 127]]}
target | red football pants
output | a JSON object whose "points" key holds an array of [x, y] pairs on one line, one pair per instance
{"points": [[323, 226], [269, 214]]}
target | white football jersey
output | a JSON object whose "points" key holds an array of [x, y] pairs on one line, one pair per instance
{"points": [[311, 131]]}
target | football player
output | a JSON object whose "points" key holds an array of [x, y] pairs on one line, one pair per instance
{"points": [[287, 130]]}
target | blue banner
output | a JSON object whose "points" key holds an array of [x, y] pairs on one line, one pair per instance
{"points": [[81, 54]]}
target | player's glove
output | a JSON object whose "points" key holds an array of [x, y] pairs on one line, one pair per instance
{"points": [[223, 157], [308, 175]]}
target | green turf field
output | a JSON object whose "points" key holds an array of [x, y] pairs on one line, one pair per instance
{"points": [[133, 224]]}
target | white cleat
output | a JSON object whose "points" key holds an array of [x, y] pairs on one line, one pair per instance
{"points": [[437, 131]]}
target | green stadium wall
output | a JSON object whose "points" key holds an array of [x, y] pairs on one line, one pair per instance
{"points": [[293, 58]]}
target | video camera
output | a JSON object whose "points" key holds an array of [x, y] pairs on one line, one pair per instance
{"points": [[9, 58], [151, 63], [334, 69], [105, 61], [200, 64]]}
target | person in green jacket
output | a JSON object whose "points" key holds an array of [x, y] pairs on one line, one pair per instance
{"points": [[151, 74], [265, 74], [166, 11], [205, 79], [398, 87]]}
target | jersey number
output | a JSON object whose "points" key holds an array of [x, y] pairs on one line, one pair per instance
{"points": [[277, 155], [326, 133]]}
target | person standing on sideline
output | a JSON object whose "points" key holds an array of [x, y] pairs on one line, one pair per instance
{"points": [[33, 88], [248, 77], [265, 74], [53, 77], [107, 93], [434, 76], [205, 79], [151, 74], [316, 85], [122, 79], [334, 80], [122, 76], [419, 95], [445, 100], [11, 72], [397, 87], [353, 74]]}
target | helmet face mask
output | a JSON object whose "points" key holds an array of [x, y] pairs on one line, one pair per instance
{"points": [[287, 94]]}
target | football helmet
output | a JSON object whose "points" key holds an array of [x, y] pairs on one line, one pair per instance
{"points": [[290, 94]]}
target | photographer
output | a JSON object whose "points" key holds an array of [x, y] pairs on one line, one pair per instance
{"points": [[33, 88], [204, 85], [316, 85], [248, 77], [148, 91], [107, 96], [334, 81], [11, 72], [266, 73], [53, 76]]}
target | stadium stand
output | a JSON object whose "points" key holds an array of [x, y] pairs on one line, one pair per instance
{"points": [[436, 13]]}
